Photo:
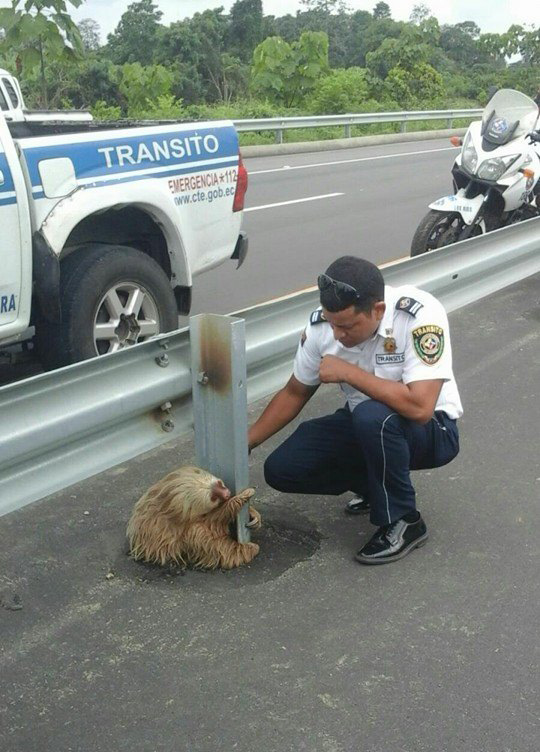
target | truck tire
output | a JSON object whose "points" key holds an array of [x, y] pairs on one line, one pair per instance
{"points": [[111, 297]]}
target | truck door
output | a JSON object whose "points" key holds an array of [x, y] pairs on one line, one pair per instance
{"points": [[15, 240]]}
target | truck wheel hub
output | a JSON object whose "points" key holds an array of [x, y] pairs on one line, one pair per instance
{"points": [[126, 314]]}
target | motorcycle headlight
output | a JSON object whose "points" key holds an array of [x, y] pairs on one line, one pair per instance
{"points": [[469, 157], [493, 169]]}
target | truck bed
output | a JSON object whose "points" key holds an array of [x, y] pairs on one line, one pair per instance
{"points": [[52, 128]]}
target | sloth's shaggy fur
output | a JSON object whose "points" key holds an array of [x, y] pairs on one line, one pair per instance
{"points": [[181, 520]]}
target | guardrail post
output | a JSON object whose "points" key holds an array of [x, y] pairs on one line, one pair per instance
{"points": [[348, 130], [403, 126], [449, 122], [218, 371], [279, 136]]}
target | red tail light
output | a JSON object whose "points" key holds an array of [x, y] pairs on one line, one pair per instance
{"points": [[241, 186]]}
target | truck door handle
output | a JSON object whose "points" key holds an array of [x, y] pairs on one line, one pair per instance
{"points": [[2, 178]]}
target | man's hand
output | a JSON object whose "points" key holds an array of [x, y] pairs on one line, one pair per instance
{"points": [[333, 370]]}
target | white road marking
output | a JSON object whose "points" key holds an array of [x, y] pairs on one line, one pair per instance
{"points": [[358, 159], [294, 201]]}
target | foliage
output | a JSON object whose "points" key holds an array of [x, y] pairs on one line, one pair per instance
{"points": [[102, 111], [324, 58], [41, 32], [382, 10], [413, 85], [90, 34], [287, 72], [135, 36], [141, 86], [344, 90], [245, 28]]}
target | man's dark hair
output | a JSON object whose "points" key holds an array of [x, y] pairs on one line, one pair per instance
{"points": [[364, 276]]}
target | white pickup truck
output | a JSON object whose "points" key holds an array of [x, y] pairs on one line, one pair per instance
{"points": [[105, 225]]}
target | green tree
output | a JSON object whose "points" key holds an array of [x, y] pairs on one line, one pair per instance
{"points": [[90, 34], [179, 48], [460, 46], [245, 27], [224, 74], [414, 86], [382, 10], [373, 35], [40, 33], [419, 13], [141, 86], [470, 28], [287, 72], [413, 45], [287, 27], [343, 90], [136, 35]]}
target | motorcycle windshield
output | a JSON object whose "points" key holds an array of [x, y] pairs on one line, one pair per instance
{"points": [[509, 114]]}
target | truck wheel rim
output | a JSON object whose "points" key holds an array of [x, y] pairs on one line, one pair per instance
{"points": [[125, 315]]}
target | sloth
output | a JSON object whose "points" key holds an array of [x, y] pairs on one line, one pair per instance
{"points": [[186, 518]]}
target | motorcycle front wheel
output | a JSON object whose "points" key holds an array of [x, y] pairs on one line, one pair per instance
{"points": [[438, 229]]}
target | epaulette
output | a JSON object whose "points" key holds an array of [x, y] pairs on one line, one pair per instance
{"points": [[317, 317], [409, 305]]}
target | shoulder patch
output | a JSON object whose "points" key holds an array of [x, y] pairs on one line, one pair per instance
{"points": [[428, 343], [317, 317], [409, 305]]}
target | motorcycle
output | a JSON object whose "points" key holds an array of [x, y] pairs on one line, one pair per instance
{"points": [[496, 176]]}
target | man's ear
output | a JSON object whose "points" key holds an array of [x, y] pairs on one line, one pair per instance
{"points": [[379, 309]]}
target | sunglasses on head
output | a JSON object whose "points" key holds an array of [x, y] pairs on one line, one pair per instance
{"points": [[344, 293]]}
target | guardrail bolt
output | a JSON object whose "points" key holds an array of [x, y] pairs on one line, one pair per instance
{"points": [[167, 425], [162, 360], [202, 378]]}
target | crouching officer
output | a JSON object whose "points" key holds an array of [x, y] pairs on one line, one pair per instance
{"points": [[389, 349]]}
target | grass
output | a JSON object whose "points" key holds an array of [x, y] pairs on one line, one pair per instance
{"points": [[327, 133]]}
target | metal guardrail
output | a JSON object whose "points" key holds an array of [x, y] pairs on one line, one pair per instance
{"points": [[62, 427], [364, 118]]}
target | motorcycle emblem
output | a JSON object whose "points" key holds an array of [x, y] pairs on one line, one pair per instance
{"points": [[499, 125]]}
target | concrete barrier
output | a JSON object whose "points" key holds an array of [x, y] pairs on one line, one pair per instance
{"points": [[268, 150]]}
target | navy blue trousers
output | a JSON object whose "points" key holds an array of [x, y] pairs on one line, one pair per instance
{"points": [[370, 451]]}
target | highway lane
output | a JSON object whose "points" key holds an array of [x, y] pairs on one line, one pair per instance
{"points": [[374, 199], [381, 194]]}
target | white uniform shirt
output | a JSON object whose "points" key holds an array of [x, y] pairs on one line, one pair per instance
{"points": [[412, 343]]}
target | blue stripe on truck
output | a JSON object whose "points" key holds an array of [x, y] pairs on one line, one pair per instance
{"points": [[117, 155]]}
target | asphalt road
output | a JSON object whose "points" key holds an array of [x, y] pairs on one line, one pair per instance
{"points": [[304, 650], [373, 200]]}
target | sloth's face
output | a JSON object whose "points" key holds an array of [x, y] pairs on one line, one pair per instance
{"points": [[220, 492]]}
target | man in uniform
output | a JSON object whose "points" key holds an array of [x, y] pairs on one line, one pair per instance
{"points": [[389, 349]]}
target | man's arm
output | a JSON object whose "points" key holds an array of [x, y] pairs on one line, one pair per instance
{"points": [[415, 401], [283, 407]]}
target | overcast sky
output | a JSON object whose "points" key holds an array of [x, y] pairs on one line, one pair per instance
{"points": [[490, 15]]}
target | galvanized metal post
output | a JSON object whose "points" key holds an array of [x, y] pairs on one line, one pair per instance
{"points": [[348, 130], [403, 126], [279, 136], [449, 122], [218, 368]]}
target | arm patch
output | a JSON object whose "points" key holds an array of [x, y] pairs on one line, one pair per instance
{"points": [[409, 305], [317, 317]]}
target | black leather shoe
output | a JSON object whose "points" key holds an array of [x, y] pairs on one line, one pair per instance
{"points": [[393, 542], [357, 505]]}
